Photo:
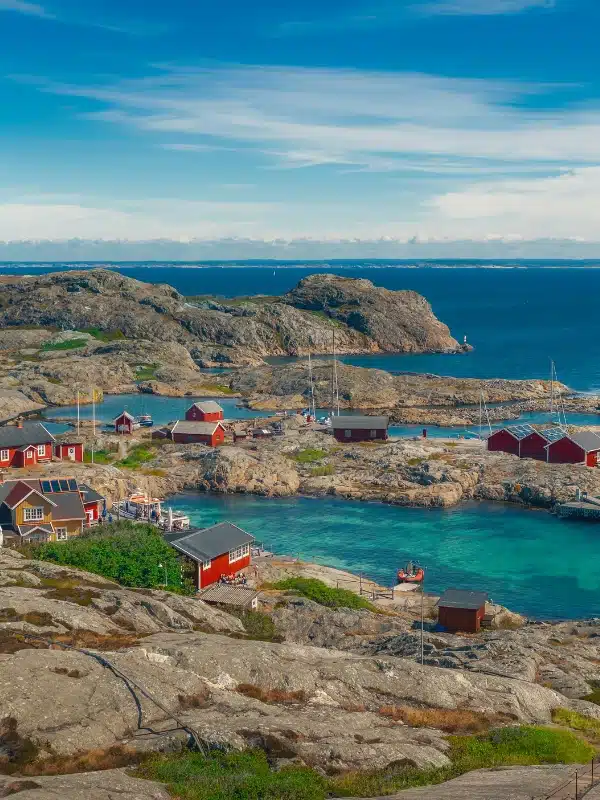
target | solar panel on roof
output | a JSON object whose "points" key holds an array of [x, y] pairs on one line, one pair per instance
{"points": [[72, 484], [553, 434], [45, 487], [64, 485], [521, 431], [55, 486]]}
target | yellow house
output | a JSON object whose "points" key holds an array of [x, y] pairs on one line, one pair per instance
{"points": [[30, 515]]}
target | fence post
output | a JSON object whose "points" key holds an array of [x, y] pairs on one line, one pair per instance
{"points": [[576, 785]]}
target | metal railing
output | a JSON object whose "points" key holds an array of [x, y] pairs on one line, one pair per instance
{"points": [[578, 784]]}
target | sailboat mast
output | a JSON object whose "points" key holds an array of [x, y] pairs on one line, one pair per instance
{"points": [[480, 412], [551, 390], [93, 421], [335, 379], [313, 409], [77, 412]]}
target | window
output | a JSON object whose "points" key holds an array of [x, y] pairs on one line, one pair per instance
{"points": [[4, 455], [61, 535], [372, 434], [41, 448], [33, 514], [239, 553], [206, 564], [348, 434]]}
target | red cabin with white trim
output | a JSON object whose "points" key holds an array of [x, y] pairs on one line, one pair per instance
{"points": [[576, 448], [205, 411], [25, 446], [125, 423]]}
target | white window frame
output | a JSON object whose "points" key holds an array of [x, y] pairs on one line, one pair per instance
{"points": [[238, 553], [206, 564], [4, 455], [347, 434], [61, 534], [41, 449], [30, 516]]}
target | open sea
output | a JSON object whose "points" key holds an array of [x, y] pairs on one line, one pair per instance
{"points": [[518, 316]]}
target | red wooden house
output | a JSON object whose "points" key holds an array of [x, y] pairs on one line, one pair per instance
{"points": [[205, 411], [125, 423], [575, 448], [210, 433], [461, 610], [25, 446], [93, 503], [360, 429], [508, 440], [68, 447], [219, 551]]}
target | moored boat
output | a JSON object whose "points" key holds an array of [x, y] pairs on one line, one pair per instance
{"points": [[412, 573]]}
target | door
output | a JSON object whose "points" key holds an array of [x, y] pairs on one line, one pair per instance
{"points": [[71, 454], [90, 517], [29, 455]]}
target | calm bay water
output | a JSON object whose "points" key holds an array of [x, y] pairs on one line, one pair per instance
{"points": [[517, 319], [529, 561]]}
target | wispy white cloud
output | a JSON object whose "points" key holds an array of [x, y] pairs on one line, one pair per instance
{"points": [[481, 7], [24, 7]]}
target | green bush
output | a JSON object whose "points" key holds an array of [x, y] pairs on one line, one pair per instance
{"points": [[68, 344], [138, 455], [257, 625], [309, 455], [318, 591], [125, 552]]}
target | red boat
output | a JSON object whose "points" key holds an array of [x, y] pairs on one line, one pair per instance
{"points": [[412, 573]]}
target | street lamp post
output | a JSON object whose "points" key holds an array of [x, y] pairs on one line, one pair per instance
{"points": [[165, 569]]}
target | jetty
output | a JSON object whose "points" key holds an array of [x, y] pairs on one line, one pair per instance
{"points": [[584, 507]]}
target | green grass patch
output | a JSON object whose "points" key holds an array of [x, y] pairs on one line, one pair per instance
{"points": [[594, 695], [146, 372], [414, 462], [104, 336], [319, 592], [54, 381], [68, 344], [136, 457], [124, 552], [319, 472], [309, 455], [257, 624], [248, 776], [100, 457], [232, 776], [221, 387], [576, 721]]}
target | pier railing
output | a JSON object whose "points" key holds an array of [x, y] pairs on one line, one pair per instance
{"points": [[578, 784]]}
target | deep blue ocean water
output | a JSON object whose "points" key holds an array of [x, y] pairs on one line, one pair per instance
{"points": [[529, 561], [518, 319]]}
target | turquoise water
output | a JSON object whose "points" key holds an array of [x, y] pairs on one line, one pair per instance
{"points": [[530, 561], [163, 409]]}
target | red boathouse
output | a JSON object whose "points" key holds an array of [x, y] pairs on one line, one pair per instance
{"points": [[218, 551], [210, 433], [124, 423], [205, 411], [360, 429], [461, 610], [68, 448], [576, 448]]}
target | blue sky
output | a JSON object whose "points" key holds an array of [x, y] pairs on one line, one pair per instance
{"points": [[365, 127]]}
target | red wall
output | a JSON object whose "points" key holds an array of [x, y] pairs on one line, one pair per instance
{"points": [[461, 619], [194, 414], [216, 439], [62, 451], [564, 451], [591, 460], [11, 457], [360, 435], [220, 566], [94, 507], [534, 446], [125, 422], [503, 442], [16, 457]]}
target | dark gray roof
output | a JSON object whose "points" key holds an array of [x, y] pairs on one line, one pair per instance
{"points": [[25, 530], [206, 544], [461, 598], [228, 595], [68, 506], [587, 440], [34, 433], [362, 423], [89, 494]]}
